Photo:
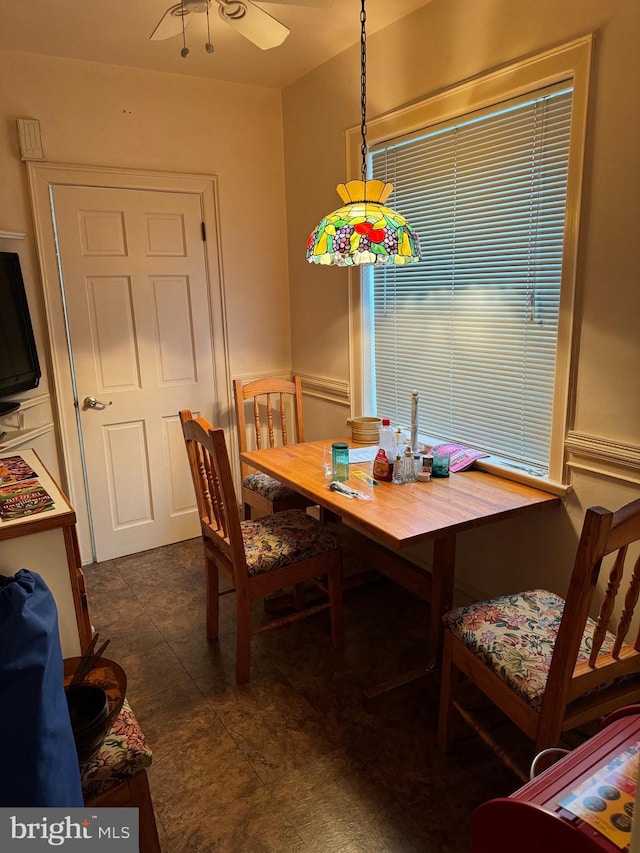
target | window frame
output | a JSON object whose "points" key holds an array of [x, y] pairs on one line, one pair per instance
{"points": [[572, 62]]}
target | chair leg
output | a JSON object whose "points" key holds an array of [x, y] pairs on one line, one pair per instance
{"points": [[334, 579], [243, 638], [549, 734], [448, 684], [141, 797], [247, 512], [133, 792], [212, 595]]}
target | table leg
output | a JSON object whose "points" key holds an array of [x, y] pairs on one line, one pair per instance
{"points": [[443, 573], [327, 516], [444, 566]]}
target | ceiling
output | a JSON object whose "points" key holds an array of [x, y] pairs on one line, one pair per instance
{"points": [[117, 32]]}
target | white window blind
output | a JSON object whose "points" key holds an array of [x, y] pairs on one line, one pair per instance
{"points": [[473, 327]]}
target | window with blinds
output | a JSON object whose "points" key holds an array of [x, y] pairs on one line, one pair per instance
{"points": [[473, 327]]}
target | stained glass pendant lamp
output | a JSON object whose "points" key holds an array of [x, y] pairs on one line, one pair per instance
{"points": [[364, 230]]}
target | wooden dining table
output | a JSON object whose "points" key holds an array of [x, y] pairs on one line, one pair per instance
{"points": [[397, 517]]}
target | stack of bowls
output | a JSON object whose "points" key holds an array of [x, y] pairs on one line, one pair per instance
{"points": [[89, 714], [366, 430]]}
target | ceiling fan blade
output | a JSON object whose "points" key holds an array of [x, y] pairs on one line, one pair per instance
{"points": [[171, 23], [253, 23]]}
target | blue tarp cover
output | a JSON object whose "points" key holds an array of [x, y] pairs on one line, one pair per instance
{"points": [[38, 758]]}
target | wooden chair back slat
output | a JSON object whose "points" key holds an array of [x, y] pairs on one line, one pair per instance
{"points": [[256, 422], [283, 420], [202, 474], [633, 593], [216, 497], [272, 441], [630, 601], [606, 606]]}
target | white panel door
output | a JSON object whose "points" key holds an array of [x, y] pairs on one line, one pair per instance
{"points": [[135, 286]]}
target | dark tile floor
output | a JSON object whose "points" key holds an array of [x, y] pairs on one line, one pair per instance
{"points": [[295, 760]]}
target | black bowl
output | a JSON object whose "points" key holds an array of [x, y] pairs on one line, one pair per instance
{"points": [[89, 712]]}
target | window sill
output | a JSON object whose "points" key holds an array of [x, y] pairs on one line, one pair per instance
{"points": [[515, 471], [502, 468]]}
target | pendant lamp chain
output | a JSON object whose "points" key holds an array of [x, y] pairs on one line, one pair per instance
{"points": [[363, 90], [364, 230]]}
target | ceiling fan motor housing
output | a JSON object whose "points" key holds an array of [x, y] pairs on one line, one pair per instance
{"points": [[196, 5]]}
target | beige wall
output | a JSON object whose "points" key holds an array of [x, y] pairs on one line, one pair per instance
{"points": [[101, 115], [438, 46]]}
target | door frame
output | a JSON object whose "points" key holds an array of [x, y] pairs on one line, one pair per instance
{"points": [[42, 177]]}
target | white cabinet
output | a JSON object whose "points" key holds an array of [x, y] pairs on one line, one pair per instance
{"points": [[47, 543]]}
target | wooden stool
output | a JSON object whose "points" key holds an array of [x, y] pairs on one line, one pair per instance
{"points": [[117, 776]]}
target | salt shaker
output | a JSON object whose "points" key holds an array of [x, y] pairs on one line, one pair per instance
{"points": [[398, 470], [410, 475]]}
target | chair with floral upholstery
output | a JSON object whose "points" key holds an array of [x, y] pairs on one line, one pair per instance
{"points": [[259, 491], [260, 556], [542, 659], [116, 777]]}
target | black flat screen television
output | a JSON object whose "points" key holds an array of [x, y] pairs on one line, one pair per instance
{"points": [[19, 365]]}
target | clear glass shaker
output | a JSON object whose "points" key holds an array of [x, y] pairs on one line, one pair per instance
{"points": [[417, 464], [398, 470], [410, 475]]}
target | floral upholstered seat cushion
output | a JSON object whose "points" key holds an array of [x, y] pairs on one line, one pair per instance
{"points": [[284, 538], [515, 636], [272, 490], [123, 752]]}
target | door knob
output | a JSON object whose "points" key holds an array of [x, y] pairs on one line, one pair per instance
{"points": [[92, 403]]}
